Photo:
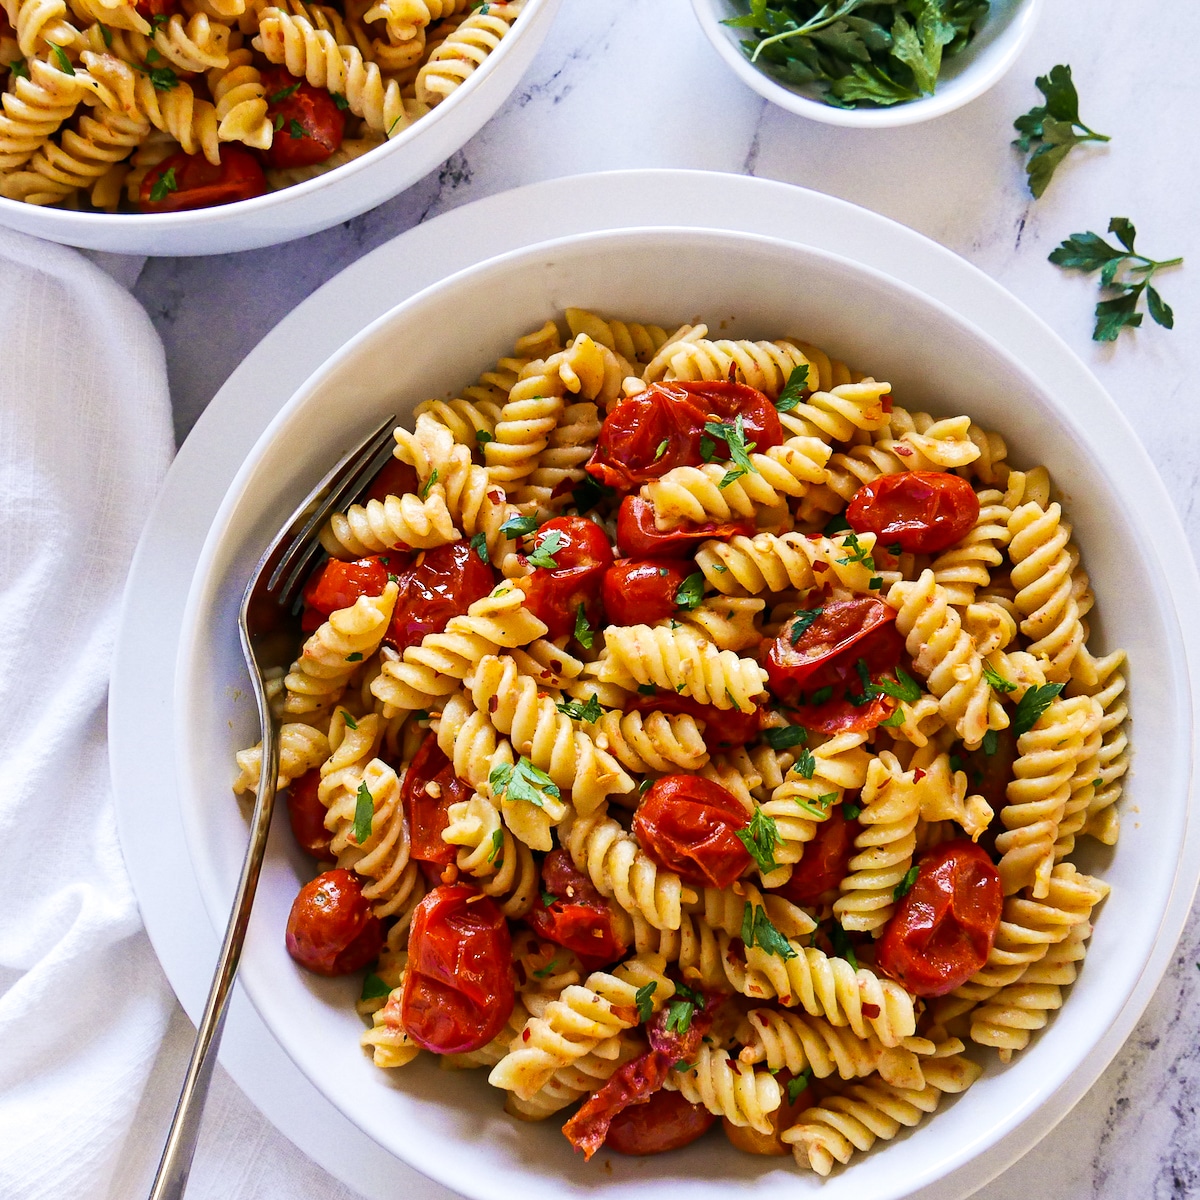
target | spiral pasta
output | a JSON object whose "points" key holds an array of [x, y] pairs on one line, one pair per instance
{"points": [[728, 1088], [241, 101], [653, 741], [464, 51], [775, 562], [762, 365], [301, 748]]}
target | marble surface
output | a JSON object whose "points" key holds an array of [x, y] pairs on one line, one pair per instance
{"points": [[633, 83]]}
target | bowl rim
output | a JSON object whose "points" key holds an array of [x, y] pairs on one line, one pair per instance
{"points": [[205, 582], [1024, 16], [134, 222]]}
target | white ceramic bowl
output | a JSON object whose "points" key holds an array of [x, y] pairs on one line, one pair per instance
{"points": [[993, 50], [305, 208], [450, 1125]]}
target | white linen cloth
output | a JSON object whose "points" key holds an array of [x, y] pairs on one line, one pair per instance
{"points": [[87, 1082]]}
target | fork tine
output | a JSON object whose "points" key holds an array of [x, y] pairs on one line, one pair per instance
{"points": [[343, 480]]}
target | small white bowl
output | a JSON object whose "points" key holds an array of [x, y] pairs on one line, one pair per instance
{"points": [[994, 49], [450, 1124], [295, 212]]}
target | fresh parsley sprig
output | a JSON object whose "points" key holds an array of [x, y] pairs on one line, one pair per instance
{"points": [[545, 550], [1089, 252], [580, 710], [757, 930], [733, 434], [522, 782], [793, 391], [690, 592], [1031, 706], [1052, 126], [760, 837]]}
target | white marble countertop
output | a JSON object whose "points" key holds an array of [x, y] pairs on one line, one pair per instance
{"points": [[585, 106]]}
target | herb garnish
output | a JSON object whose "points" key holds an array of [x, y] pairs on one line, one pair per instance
{"points": [[479, 545], [523, 782], [284, 93], [996, 681], [642, 998], [793, 390], [801, 621], [1052, 125], [544, 551], [734, 437], [374, 988], [350, 722], [585, 635], [364, 814], [164, 185], [690, 592], [841, 945], [797, 1084], [760, 837], [64, 63], [786, 737], [757, 930], [497, 844], [517, 527], [806, 764], [580, 710], [1032, 705], [680, 1010], [905, 885]]}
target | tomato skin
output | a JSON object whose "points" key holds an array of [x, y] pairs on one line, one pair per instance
{"points": [[666, 1121], [395, 478], [199, 184], [336, 584], [641, 591], [943, 930], [631, 450], [580, 918], [322, 123], [440, 584], [331, 929], [689, 825], [156, 8], [924, 511], [458, 988], [583, 556], [639, 537], [306, 814], [823, 864], [724, 729], [428, 814]]}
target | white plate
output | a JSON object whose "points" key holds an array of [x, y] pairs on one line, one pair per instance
{"points": [[142, 732]]}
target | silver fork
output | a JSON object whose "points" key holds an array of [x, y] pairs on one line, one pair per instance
{"points": [[264, 622]]}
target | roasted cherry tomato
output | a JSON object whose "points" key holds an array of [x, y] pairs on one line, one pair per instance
{"points": [[438, 585], [749, 1141], [336, 584], [578, 917], [186, 181], [689, 825], [395, 478], [822, 670], [308, 123], [667, 1121], [921, 511], [581, 553], [430, 787], [644, 436], [458, 989], [943, 930], [823, 864], [724, 728], [307, 814], [156, 8], [331, 929], [640, 592], [639, 537]]}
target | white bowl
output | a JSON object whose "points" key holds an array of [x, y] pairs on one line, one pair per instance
{"points": [[993, 50], [305, 208], [450, 1125]]}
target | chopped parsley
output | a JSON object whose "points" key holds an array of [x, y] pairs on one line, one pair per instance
{"points": [[433, 478], [585, 635], [857, 553], [19, 69], [821, 695], [343, 104], [518, 527], [1032, 705], [793, 390], [690, 592], [164, 185], [351, 723], [64, 63], [642, 998], [542, 972], [996, 681], [905, 885], [760, 837], [757, 930], [355, 657], [786, 737], [680, 1010], [544, 551], [296, 130], [801, 622], [284, 93], [374, 988], [482, 437], [580, 710], [549, 898], [661, 449], [647, 689], [819, 808], [523, 782], [841, 945], [797, 1084], [990, 742], [497, 844], [479, 545], [364, 814], [806, 765], [836, 524], [734, 437], [851, 812]]}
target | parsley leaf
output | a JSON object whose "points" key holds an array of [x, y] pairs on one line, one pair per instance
{"points": [[894, 721], [680, 1010], [523, 782], [760, 837], [819, 808], [1089, 252], [482, 437], [364, 814], [793, 391], [996, 681], [647, 689], [284, 93], [374, 988], [585, 635], [433, 478], [351, 723], [642, 998], [661, 449], [806, 765], [19, 68], [690, 592], [517, 527], [589, 492], [342, 103], [801, 621], [856, 553], [903, 687], [990, 742], [786, 737], [1052, 126], [64, 63], [549, 898], [757, 930], [905, 885], [851, 812], [1032, 705], [296, 130], [835, 525], [580, 710], [497, 844], [479, 545], [734, 437], [542, 972], [544, 551], [164, 185], [842, 946], [797, 1084], [821, 695]]}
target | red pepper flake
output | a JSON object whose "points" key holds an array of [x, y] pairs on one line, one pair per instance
{"points": [[493, 703], [904, 451], [870, 1011], [818, 567], [918, 775], [524, 1035]]}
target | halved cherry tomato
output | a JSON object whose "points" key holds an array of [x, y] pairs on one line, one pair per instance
{"points": [[639, 537], [823, 864], [644, 436], [458, 989], [395, 478], [336, 584], [826, 654], [689, 825], [640, 592], [943, 930], [666, 1121], [581, 553], [840, 714], [187, 181], [309, 126], [307, 814], [430, 787], [440, 584], [724, 728], [923, 511], [331, 929], [579, 917]]}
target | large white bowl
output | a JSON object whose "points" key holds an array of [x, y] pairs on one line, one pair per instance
{"points": [[449, 1125], [305, 208], [994, 49]]}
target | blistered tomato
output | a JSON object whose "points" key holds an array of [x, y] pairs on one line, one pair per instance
{"points": [[331, 929], [923, 512]]}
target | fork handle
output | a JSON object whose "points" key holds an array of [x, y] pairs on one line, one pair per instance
{"points": [[171, 1179]]}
